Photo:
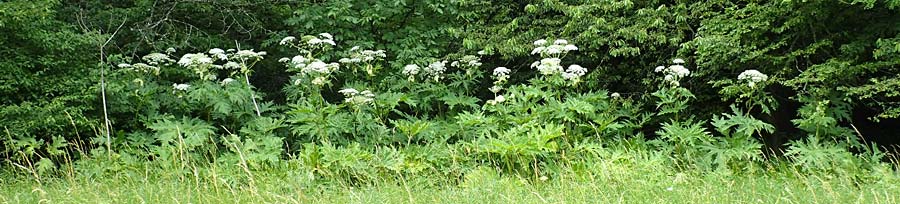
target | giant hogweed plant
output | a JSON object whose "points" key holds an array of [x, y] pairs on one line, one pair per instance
{"points": [[186, 120]]}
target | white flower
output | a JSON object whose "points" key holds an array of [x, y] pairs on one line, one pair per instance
{"points": [[659, 69], [314, 41], [411, 69], [326, 35], [752, 77], [216, 51], [284, 60], [540, 42], [538, 50], [570, 48], [180, 87], [287, 40], [577, 70], [124, 65], [679, 71], [615, 95], [317, 66], [495, 89], [355, 97], [298, 60], [232, 65], [329, 41], [157, 58], [548, 66], [170, 50], [348, 92], [673, 73], [319, 81], [482, 52], [249, 55], [553, 49], [500, 99], [435, 69], [560, 42], [227, 80], [194, 60], [678, 61], [501, 71]]}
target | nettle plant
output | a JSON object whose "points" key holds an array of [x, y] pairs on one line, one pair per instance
{"points": [[189, 104]]}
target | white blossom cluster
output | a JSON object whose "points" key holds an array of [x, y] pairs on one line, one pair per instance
{"points": [[226, 81], [157, 59], [436, 69], [752, 77], [556, 49], [315, 69], [321, 40], [355, 97], [674, 73], [548, 66], [411, 70], [180, 87], [574, 72], [363, 56], [497, 99], [231, 59], [467, 61], [500, 75], [140, 67], [551, 64]]}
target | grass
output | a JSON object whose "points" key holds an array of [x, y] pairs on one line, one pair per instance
{"points": [[600, 181]]}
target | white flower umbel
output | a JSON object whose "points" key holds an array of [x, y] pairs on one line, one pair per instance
{"points": [[218, 53], [497, 99], [157, 59], [752, 77], [170, 50], [227, 81], [355, 97], [287, 40], [436, 69], [411, 70], [557, 49], [673, 73], [180, 87], [548, 66], [615, 95], [574, 72], [248, 55], [232, 65], [678, 61], [501, 71], [198, 59], [468, 61]]}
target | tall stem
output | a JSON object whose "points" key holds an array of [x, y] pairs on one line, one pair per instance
{"points": [[252, 95]]}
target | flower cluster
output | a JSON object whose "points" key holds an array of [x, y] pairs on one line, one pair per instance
{"points": [[469, 62], [140, 67], [156, 59], [548, 66], [574, 73], [752, 77], [436, 69], [235, 60], [366, 57], [559, 47], [355, 97], [551, 64], [310, 42], [500, 75], [315, 69], [363, 56], [674, 73], [411, 70]]}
